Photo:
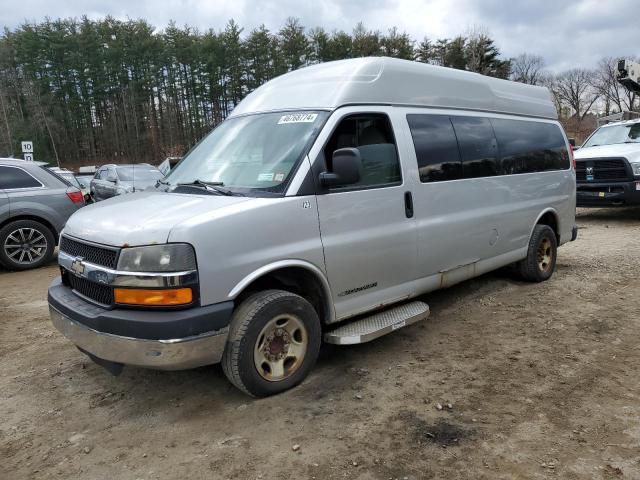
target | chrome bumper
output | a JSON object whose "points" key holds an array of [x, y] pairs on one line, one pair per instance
{"points": [[174, 354]]}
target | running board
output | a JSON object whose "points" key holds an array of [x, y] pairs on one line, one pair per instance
{"points": [[378, 324]]}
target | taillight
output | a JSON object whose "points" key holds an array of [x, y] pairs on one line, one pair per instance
{"points": [[573, 157], [75, 196]]}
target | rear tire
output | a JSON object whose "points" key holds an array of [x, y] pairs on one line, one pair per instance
{"points": [[541, 255], [274, 341], [25, 244]]}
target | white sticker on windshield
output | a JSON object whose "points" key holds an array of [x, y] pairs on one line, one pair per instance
{"points": [[265, 177], [298, 118], [279, 177]]}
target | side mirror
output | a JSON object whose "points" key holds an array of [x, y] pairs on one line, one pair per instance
{"points": [[346, 166], [572, 142]]}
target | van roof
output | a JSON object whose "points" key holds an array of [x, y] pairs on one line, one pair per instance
{"points": [[390, 81]]}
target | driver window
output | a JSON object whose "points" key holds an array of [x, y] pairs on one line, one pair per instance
{"points": [[372, 135]]}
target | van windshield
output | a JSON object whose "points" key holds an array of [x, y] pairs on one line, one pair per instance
{"points": [[256, 153], [615, 134]]}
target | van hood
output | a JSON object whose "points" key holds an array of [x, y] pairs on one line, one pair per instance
{"points": [[142, 218], [631, 151]]}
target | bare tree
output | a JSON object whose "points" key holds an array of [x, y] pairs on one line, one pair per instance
{"points": [[528, 68], [575, 89], [614, 96]]}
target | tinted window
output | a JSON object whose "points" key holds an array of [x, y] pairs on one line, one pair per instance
{"points": [[373, 137], [527, 147], [11, 177], [478, 146], [436, 147]]}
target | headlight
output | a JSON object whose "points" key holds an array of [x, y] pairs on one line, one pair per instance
{"points": [[636, 169], [172, 257]]}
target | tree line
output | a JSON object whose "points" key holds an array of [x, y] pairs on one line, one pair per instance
{"points": [[89, 92]]}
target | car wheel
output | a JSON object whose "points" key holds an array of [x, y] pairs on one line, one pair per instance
{"points": [[541, 255], [25, 244], [274, 340]]}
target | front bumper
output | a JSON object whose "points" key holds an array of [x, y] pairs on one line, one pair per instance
{"points": [[87, 325], [608, 194]]}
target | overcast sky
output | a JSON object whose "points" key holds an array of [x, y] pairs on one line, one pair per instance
{"points": [[567, 33]]}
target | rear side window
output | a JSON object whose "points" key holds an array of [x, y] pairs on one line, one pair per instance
{"points": [[478, 146], [527, 147], [12, 177], [436, 147]]}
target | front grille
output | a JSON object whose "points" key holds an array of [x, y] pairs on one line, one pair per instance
{"points": [[98, 255], [99, 293], [603, 170]]}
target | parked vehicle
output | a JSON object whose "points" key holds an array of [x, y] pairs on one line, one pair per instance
{"points": [[112, 180], [331, 198], [73, 179], [34, 206], [608, 166]]}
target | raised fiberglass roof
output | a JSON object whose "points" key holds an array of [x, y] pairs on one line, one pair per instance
{"points": [[383, 80]]}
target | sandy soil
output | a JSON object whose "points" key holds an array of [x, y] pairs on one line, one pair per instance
{"points": [[542, 379]]}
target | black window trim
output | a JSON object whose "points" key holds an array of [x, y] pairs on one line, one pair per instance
{"points": [[42, 185], [320, 163], [494, 115]]}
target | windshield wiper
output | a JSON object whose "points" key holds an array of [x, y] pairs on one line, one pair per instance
{"points": [[162, 182], [215, 186]]}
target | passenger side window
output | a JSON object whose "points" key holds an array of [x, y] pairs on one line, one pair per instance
{"points": [[478, 146], [436, 147], [373, 136], [527, 147], [11, 178]]}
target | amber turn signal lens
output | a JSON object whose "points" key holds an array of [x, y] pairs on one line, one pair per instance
{"points": [[135, 296]]}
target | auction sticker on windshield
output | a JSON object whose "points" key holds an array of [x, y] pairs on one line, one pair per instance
{"points": [[298, 118]]}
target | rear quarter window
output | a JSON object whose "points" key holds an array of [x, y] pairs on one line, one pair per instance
{"points": [[14, 178], [527, 147]]}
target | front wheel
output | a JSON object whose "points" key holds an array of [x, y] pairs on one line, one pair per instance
{"points": [[541, 255], [274, 341]]}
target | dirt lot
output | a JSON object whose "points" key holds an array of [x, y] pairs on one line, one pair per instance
{"points": [[543, 382]]}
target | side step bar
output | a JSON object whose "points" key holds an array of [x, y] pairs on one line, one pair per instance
{"points": [[378, 324]]}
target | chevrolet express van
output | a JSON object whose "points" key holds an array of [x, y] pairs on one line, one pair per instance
{"points": [[328, 201]]}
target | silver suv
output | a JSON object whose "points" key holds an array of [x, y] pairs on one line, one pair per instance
{"points": [[34, 207]]}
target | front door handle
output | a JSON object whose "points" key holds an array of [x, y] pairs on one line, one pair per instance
{"points": [[408, 204]]}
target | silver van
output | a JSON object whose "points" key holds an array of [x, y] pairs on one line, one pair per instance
{"points": [[330, 198]]}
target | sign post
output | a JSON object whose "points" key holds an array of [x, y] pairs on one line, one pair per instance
{"points": [[27, 150]]}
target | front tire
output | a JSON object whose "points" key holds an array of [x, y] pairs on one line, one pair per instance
{"points": [[25, 244], [274, 341], [541, 255]]}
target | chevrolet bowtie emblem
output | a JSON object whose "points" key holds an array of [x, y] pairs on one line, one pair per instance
{"points": [[77, 266]]}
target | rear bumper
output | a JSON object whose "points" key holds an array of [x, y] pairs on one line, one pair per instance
{"points": [[164, 340], [608, 194]]}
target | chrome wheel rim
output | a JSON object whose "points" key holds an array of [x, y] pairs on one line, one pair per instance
{"points": [[25, 246], [545, 255], [280, 347]]}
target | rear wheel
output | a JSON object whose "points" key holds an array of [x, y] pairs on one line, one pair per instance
{"points": [[274, 340], [25, 244], [541, 255]]}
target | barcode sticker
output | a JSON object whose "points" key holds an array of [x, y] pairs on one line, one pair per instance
{"points": [[298, 118]]}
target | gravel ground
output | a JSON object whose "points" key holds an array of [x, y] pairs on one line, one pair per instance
{"points": [[534, 381]]}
